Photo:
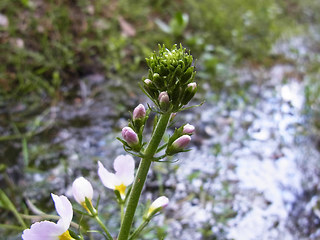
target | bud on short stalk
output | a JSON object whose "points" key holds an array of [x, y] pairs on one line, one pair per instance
{"points": [[138, 117], [158, 81], [178, 145], [150, 88], [188, 129], [131, 138], [139, 112], [82, 189], [157, 205], [189, 93], [164, 101]]}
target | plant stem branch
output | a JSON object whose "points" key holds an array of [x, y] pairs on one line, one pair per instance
{"points": [[103, 227], [142, 175], [139, 229]]}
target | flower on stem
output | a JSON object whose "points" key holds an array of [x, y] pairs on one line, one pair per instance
{"points": [[164, 101], [46, 230], [123, 176], [178, 145], [82, 189], [138, 118], [181, 142], [157, 205], [131, 138], [139, 112], [188, 129]]}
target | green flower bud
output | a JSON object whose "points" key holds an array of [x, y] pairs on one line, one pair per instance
{"points": [[170, 71], [189, 93]]}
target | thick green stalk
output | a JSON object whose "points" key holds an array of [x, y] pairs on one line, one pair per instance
{"points": [[142, 175]]}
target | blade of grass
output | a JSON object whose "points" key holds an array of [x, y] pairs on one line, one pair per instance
{"points": [[6, 203]]}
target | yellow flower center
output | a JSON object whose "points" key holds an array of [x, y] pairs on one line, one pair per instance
{"points": [[121, 188], [66, 236]]}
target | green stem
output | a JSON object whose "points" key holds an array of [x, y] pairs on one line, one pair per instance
{"points": [[142, 175], [11, 227], [139, 229], [103, 227], [122, 211]]}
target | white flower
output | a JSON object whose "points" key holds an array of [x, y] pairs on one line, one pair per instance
{"points": [[123, 176], [46, 230], [82, 189], [158, 204]]}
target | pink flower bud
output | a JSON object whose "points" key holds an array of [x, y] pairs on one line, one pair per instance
{"points": [[181, 142], [193, 85], [163, 97], [139, 112], [188, 129], [130, 136], [147, 81]]}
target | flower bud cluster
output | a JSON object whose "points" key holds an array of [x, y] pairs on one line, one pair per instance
{"points": [[180, 139], [170, 80], [132, 134]]}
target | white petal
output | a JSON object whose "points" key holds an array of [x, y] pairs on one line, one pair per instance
{"points": [[64, 209], [160, 202], [44, 230], [124, 166], [82, 188], [124, 163], [108, 179]]}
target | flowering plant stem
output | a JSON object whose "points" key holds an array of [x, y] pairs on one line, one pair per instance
{"points": [[139, 229], [98, 220], [142, 174]]}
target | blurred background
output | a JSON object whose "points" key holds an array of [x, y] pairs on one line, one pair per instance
{"points": [[70, 73]]}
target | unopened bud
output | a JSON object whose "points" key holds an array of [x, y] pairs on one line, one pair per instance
{"points": [[181, 142], [147, 82], [164, 101], [82, 192], [157, 205], [164, 97], [150, 88], [81, 189], [188, 129], [139, 112], [158, 81], [193, 86], [178, 145], [189, 93], [130, 137]]}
